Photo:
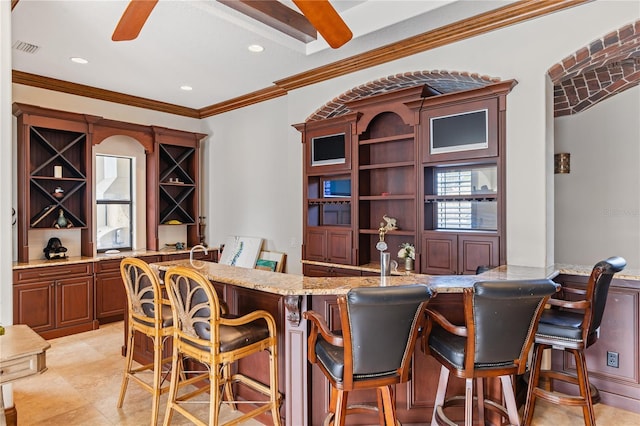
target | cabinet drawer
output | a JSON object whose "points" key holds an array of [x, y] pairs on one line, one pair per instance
{"points": [[51, 272], [112, 265], [22, 367]]}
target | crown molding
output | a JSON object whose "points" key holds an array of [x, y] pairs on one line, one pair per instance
{"points": [[508, 15]]}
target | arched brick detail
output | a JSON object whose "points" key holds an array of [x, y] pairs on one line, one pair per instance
{"points": [[442, 81], [606, 67]]}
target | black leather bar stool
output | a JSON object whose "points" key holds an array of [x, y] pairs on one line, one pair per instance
{"points": [[500, 322], [380, 326], [571, 325]]}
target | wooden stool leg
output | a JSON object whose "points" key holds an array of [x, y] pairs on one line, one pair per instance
{"points": [[585, 388], [440, 393], [273, 384], [388, 408], [480, 394], [534, 378], [341, 408], [157, 377], [510, 400], [468, 402], [127, 367], [176, 373]]}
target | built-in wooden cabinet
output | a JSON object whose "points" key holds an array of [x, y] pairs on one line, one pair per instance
{"points": [[328, 245], [434, 162], [111, 296], [174, 183], [448, 253], [54, 301], [54, 174], [328, 213], [386, 176]]}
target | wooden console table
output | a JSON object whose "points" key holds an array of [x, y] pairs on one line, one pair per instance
{"points": [[22, 354]]}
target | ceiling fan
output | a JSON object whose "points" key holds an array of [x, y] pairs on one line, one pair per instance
{"points": [[320, 13]]}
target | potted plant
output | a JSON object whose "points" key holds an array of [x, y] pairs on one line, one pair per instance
{"points": [[408, 253]]}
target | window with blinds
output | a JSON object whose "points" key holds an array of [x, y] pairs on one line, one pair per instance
{"points": [[468, 198], [453, 214]]}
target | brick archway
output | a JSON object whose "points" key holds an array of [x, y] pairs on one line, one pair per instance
{"points": [[605, 67], [442, 81]]}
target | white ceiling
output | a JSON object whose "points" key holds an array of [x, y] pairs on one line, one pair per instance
{"points": [[203, 44]]}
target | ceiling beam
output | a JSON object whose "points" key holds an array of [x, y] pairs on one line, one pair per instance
{"points": [[277, 16]]}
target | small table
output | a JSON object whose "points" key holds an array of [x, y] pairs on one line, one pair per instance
{"points": [[22, 354]]}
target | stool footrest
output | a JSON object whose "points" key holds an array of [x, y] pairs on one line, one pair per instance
{"points": [[552, 396]]}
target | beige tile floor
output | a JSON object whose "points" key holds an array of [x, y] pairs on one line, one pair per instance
{"points": [[85, 371]]}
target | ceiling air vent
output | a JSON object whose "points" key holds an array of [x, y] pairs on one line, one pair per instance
{"points": [[23, 46]]}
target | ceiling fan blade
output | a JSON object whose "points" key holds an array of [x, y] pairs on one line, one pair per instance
{"points": [[133, 19], [326, 20]]}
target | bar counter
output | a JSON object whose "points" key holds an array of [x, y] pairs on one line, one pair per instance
{"points": [[286, 296]]}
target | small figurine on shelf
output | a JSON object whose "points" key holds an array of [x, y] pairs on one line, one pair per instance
{"points": [[61, 221], [408, 253], [58, 192], [55, 249]]}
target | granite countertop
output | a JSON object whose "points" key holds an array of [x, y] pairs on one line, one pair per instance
{"points": [[36, 263], [289, 284]]}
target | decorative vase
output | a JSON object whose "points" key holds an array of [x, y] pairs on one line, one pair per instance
{"points": [[62, 221], [408, 264]]}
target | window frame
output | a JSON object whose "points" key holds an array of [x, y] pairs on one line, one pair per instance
{"points": [[129, 202]]}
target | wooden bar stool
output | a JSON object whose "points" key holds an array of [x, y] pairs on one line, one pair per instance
{"points": [[500, 322], [571, 325], [380, 326], [149, 314], [205, 335]]}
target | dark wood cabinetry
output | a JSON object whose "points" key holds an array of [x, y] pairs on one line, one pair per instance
{"points": [[111, 297], [54, 301], [386, 178], [328, 245], [173, 174], [447, 253], [434, 162], [54, 174]]}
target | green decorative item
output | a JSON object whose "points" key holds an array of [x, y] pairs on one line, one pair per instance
{"points": [[62, 222]]}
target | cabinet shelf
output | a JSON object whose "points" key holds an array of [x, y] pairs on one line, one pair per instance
{"points": [[175, 203], [389, 233], [312, 201], [389, 197], [393, 138], [387, 165], [470, 197], [176, 164]]}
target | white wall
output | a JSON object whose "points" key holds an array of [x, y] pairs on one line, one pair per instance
{"points": [[523, 52], [597, 205], [252, 161], [253, 168]]}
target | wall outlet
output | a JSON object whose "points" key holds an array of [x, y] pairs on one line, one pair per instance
{"points": [[612, 359]]}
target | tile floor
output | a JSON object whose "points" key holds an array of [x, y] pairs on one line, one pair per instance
{"points": [[82, 384]]}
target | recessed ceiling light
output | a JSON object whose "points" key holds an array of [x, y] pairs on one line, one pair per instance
{"points": [[79, 60], [186, 88], [256, 48]]}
